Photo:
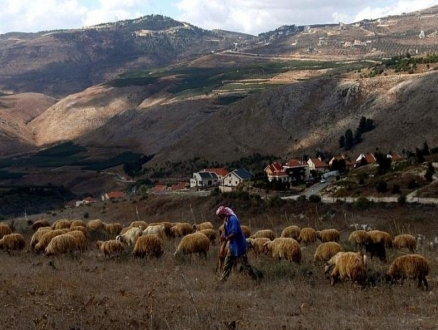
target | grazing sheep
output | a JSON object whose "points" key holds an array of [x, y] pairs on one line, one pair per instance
{"points": [[377, 236], [81, 240], [359, 237], [167, 225], [202, 225], [64, 243], [80, 228], [284, 248], [412, 266], [256, 244], [78, 223], [328, 235], [376, 250], [40, 223], [405, 241], [36, 237], [291, 231], [211, 234], [307, 235], [180, 229], [13, 241], [130, 236], [95, 225], [193, 243], [139, 223], [110, 248], [155, 230], [4, 230], [148, 245], [347, 265], [61, 224], [268, 233], [47, 237], [326, 250]]}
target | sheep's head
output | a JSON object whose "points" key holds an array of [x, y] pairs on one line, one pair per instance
{"points": [[327, 268]]}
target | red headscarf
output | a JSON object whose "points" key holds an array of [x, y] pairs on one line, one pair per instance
{"points": [[223, 210]]}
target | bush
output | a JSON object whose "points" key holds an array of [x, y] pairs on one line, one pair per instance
{"points": [[362, 203], [314, 198], [401, 199]]}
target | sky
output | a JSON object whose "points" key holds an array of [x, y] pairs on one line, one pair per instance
{"points": [[246, 16]]}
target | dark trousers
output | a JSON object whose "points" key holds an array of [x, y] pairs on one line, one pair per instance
{"points": [[231, 260]]}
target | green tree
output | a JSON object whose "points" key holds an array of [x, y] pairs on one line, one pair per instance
{"points": [[429, 173], [349, 139], [342, 141]]}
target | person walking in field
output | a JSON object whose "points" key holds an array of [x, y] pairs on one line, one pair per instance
{"points": [[237, 245]]}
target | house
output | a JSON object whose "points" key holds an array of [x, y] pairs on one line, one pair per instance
{"points": [[88, 200], [160, 188], [204, 179], [220, 172], [234, 178], [297, 170], [179, 186], [365, 159], [113, 195], [276, 171], [338, 159], [316, 164]]}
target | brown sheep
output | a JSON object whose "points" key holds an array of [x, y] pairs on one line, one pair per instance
{"points": [[78, 223], [180, 229], [326, 250], [130, 236], [36, 237], [412, 266], [47, 237], [291, 231], [211, 234], [202, 225], [148, 245], [113, 229], [4, 230], [64, 243], [378, 236], [268, 233], [405, 241], [359, 238], [40, 223], [256, 244], [307, 235], [110, 248], [81, 240], [80, 228], [95, 225], [13, 241], [328, 235], [193, 243], [61, 224], [284, 248], [347, 265], [167, 225]]}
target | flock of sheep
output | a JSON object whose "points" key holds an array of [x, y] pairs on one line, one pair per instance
{"points": [[147, 240]]}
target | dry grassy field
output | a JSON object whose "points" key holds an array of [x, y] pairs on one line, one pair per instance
{"points": [[89, 291]]}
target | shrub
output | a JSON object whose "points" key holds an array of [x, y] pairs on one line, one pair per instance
{"points": [[314, 198], [401, 199], [362, 203]]}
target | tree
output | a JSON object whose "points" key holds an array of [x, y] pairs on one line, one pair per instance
{"points": [[349, 140], [357, 137], [426, 150], [383, 161], [342, 141], [429, 173]]}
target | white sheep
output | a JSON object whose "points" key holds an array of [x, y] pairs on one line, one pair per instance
{"points": [[155, 230], [193, 243], [130, 236]]}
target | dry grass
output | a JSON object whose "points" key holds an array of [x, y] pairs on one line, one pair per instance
{"points": [[89, 291]]}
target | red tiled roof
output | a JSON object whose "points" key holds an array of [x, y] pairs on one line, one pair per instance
{"points": [[219, 171], [295, 162], [319, 163], [179, 186], [160, 187], [89, 199], [116, 194]]}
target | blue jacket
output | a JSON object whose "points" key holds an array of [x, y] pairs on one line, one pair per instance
{"points": [[238, 243]]}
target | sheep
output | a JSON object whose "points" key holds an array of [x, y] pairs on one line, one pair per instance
{"points": [[328, 235], [110, 248], [148, 245], [64, 243], [4, 230], [284, 248], [130, 236], [13, 241], [377, 236], [47, 237], [113, 229], [78, 223], [291, 231], [268, 233], [211, 234], [376, 250], [61, 224], [202, 225], [36, 237], [193, 243], [347, 265], [359, 237], [40, 223], [409, 266], [167, 225], [81, 240], [307, 235], [155, 230], [405, 241], [80, 228], [326, 250], [95, 225], [181, 229], [256, 244]]}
